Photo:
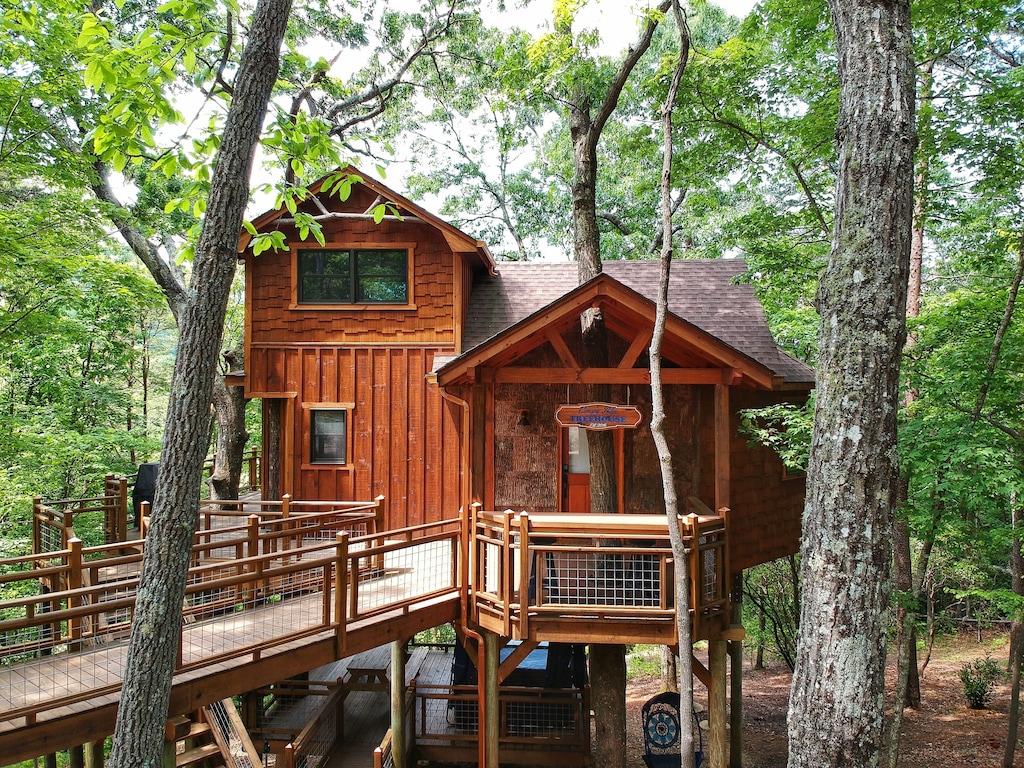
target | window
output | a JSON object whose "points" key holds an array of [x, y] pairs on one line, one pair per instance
{"points": [[327, 434], [352, 276]]}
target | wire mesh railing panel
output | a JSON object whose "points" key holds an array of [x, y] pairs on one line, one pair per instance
{"points": [[314, 746], [224, 621], [385, 576], [597, 578]]}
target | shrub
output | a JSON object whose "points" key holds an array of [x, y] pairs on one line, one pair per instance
{"points": [[978, 677]]}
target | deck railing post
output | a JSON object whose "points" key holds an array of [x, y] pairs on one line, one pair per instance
{"points": [[37, 533], [68, 526], [340, 591], [505, 580], [525, 558], [122, 507], [691, 525], [143, 519], [75, 583], [471, 557]]}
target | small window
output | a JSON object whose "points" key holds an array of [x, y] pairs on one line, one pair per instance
{"points": [[327, 431], [352, 276]]}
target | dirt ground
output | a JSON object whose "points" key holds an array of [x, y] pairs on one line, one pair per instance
{"points": [[944, 733]]}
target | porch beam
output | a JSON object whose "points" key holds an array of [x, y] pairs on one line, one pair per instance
{"points": [[529, 375]]}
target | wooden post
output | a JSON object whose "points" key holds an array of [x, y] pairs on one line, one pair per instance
{"points": [[75, 582], [722, 446], [736, 679], [716, 704], [399, 749], [76, 756], [94, 754], [37, 533], [340, 592], [490, 713], [525, 561]]}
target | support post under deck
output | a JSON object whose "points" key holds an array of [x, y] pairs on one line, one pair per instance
{"points": [[736, 679], [399, 748], [490, 710], [716, 704]]}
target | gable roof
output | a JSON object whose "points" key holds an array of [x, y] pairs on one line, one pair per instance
{"points": [[703, 296], [325, 206]]}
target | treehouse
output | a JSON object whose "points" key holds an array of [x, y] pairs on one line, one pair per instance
{"points": [[398, 359], [429, 420]]}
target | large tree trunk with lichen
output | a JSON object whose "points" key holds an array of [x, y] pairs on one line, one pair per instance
{"points": [[156, 627], [836, 712], [229, 451]]}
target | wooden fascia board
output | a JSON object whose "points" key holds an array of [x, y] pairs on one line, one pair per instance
{"points": [[524, 375]]}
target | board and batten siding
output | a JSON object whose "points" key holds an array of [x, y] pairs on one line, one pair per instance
{"points": [[403, 439]]}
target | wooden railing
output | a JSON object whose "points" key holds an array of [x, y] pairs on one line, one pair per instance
{"points": [[536, 726], [251, 468], [314, 744], [53, 522], [253, 586], [560, 576]]}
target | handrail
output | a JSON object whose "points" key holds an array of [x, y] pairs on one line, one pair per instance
{"points": [[315, 742], [286, 579]]}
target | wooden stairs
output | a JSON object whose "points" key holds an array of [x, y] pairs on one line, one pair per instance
{"points": [[213, 737]]}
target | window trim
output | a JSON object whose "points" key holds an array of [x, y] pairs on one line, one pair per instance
{"points": [[308, 461], [410, 302]]}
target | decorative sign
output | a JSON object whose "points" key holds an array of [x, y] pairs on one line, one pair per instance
{"points": [[599, 416]]}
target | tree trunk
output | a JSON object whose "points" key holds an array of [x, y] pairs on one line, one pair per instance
{"points": [[684, 628], [1016, 636], [669, 670], [585, 127], [229, 405], [836, 712], [271, 470], [153, 647]]}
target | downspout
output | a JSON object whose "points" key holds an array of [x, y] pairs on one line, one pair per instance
{"points": [[481, 647]]}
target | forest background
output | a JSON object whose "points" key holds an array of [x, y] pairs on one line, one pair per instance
{"points": [[105, 155]]}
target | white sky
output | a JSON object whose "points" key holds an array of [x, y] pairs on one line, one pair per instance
{"points": [[615, 20]]}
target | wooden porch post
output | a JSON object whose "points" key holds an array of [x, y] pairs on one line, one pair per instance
{"points": [[399, 749], [722, 445], [489, 710]]}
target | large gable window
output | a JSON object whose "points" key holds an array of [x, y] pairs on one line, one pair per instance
{"points": [[353, 276]]}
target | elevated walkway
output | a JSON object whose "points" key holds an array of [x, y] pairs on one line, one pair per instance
{"points": [[271, 596]]}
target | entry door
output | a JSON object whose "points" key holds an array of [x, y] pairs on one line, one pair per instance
{"points": [[575, 470]]}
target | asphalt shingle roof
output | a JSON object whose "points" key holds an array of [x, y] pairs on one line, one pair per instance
{"points": [[703, 292]]}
